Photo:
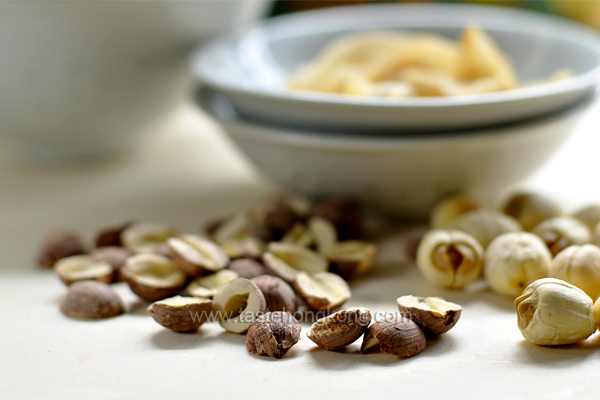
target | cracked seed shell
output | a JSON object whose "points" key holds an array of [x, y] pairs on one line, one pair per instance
{"points": [[181, 314], [340, 329], [400, 337], [273, 334]]}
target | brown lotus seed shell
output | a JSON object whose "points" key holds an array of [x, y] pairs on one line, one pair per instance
{"points": [[111, 235], [155, 291], [247, 268], [401, 337], [273, 334], [346, 215], [57, 245], [115, 256], [340, 329], [184, 318], [432, 321], [279, 295], [272, 220], [91, 299]]}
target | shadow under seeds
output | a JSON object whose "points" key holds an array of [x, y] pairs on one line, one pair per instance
{"points": [[138, 308], [292, 353], [166, 339], [385, 269], [350, 357], [234, 338], [441, 344], [557, 356], [478, 292]]}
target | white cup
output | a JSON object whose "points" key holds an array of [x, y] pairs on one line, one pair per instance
{"points": [[82, 79]]}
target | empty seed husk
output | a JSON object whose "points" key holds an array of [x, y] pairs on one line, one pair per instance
{"points": [[153, 277], [243, 248], [300, 235], [207, 286], [83, 268], [57, 245], [288, 260], [164, 250], [433, 315], [197, 256], [181, 314], [145, 237], [340, 329], [232, 227], [323, 232], [352, 258], [322, 291], [237, 304]]}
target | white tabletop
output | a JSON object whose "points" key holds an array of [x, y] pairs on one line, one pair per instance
{"points": [[188, 173]]}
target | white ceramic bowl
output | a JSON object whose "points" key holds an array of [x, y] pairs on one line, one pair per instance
{"points": [[403, 175], [86, 78], [252, 67]]}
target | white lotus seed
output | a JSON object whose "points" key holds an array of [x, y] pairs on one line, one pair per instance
{"points": [[450, 258], [554, 312], [514, 260]]}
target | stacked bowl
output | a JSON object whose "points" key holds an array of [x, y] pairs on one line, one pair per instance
{"points": [[398, 155]]}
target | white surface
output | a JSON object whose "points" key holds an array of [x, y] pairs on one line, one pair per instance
{"points": [[252, 68], [402, 176], [186, 175]]}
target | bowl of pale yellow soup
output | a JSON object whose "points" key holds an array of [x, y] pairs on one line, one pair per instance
{"points": [[398, 68]]}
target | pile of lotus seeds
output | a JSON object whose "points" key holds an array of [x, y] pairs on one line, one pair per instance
{"points": [[257, 272], [529, 250]]}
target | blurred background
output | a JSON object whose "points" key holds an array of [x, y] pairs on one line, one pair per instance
{"points": [[586, 11], [82, 80]]}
